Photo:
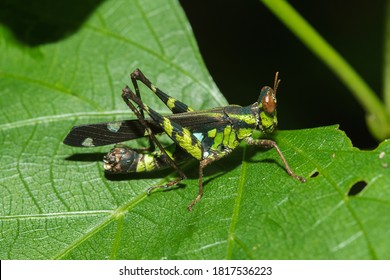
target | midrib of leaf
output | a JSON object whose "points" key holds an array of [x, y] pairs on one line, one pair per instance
{"points": [[116, 215], [85, 237]]}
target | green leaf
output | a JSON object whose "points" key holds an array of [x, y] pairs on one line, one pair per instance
{"points": [[56, 202]]}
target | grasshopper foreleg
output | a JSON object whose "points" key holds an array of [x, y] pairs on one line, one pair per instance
{"points": [[266, 143]]}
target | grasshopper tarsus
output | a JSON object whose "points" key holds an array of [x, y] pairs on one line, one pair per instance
{"points": [[195, 201]]}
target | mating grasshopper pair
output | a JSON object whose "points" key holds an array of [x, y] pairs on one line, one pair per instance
{"points": [[206, 135]]}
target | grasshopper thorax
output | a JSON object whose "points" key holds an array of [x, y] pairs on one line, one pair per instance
{"points": [[267, 119]]}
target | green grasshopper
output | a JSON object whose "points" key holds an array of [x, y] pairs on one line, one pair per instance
{"points": [[206, 135]]}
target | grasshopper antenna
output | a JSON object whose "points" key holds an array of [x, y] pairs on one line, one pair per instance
{"points": [[276, 82]]}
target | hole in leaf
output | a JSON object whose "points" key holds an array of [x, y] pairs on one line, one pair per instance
{"points": [[315, 174], [357, 188]]}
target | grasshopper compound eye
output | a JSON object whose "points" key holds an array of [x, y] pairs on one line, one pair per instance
{"points": [[269, 98], [269, 103]]}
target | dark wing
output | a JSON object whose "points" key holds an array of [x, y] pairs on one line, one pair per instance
{"points": [[106, 133]]}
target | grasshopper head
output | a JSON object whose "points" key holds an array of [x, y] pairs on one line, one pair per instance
{"points": [[267, 107]]}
